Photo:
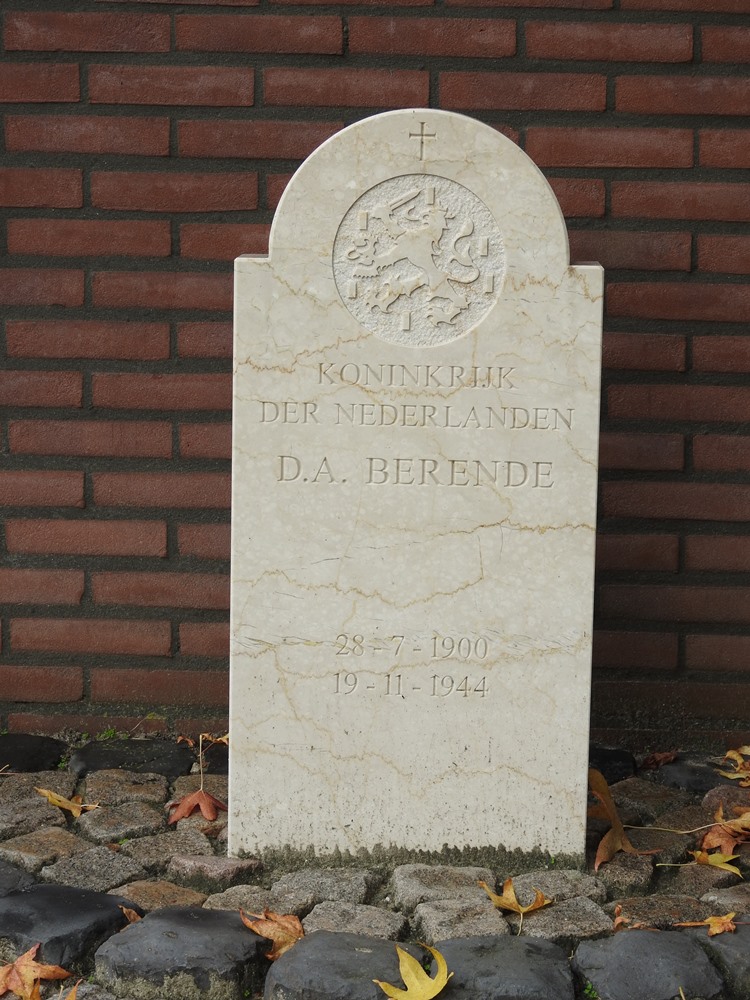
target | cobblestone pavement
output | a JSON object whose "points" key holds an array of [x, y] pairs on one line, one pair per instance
{"points": [[64, 882]]}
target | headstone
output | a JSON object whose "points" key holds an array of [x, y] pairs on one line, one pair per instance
{"points": [[415, 465]]}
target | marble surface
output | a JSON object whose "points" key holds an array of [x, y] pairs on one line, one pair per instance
{"points": [[415, 467]]}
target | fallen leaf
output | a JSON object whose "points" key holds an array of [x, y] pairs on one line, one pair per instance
{"points": [[620, 922], [76, 805], [73, 992], [22, 976], [186, 739], [615, 839], [509, 900], [657, 760], [716, 925], [741, 771], [130, 915], [716, 860], [419, 984], [727, 833], [283, 929], [208, 805]]}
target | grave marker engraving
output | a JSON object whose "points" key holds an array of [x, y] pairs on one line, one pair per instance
{"points": [[415, 459]]}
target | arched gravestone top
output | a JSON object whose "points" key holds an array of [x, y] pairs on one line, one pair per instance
{"points": [[415, 448]]}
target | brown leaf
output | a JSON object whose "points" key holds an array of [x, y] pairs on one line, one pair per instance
{"points": [[620, 922], [76, 805], [716, 925], [657, 760], [22, 976], [509, 900], [208, 805], [130, 915], [615, 839], [282, 929]]}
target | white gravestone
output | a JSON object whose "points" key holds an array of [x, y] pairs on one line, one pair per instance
{"points": [[415, 465]]}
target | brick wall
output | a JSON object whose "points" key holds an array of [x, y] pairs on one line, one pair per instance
{"points": [[147, 143]]}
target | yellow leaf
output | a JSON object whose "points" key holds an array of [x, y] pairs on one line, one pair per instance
{"points": [[419, 984], [716, 860], [615, 839], [716, 925], [282, 929], [509, 900], [76, 805], [22, 976]]}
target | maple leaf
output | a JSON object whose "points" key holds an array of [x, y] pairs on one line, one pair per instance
{"points": [[620, 922], [130, 915], [716, 860], [727, 834], [741, 771], [419, 984], [716, 925], [282, 929], [615, 839], [76, 805], [657, 760], [207, 803], [22, 976], [509, 900]]}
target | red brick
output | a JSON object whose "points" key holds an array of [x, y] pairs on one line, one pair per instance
{"points": [[683, 705], [650, 452], [219, 724], [274, 33], [691, 6], [222, 241], [721, 354], [644, 352], [572, 4], [55, 31], [87, 537], [717, 303], [669, 43], [523, 91], [172, 590], [163, 290], [87, 338], [204, 340], [717, 652], [685, 501], [671, 603], [635, 650], [22, 286], [36, 83], [266, 140], [188, 3], [721, 453], [204, 639], [679, 402], [91, 635], [724, 148], [681, 200], [174, 192], [160, 687], [54, 725], [728, 254], [120, 438], [579, 196], [206, 541], [87, 134], [206, 440], [24, 488], [132, 390], [683, 95], [610, 147], [38, 684], [162, 489], [22, 187], [41, 586], [318, 3], [353, 88], [448, 36], [192, 86], [724, 44], [652, 553], [639, 251], [717, 553], [40, 388], [275, 185], [89, 237]]}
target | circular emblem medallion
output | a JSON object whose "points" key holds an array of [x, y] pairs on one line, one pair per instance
{"points": [[418, 260]]}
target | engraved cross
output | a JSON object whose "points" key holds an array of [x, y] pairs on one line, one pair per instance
{"points": [[422, 135]]}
